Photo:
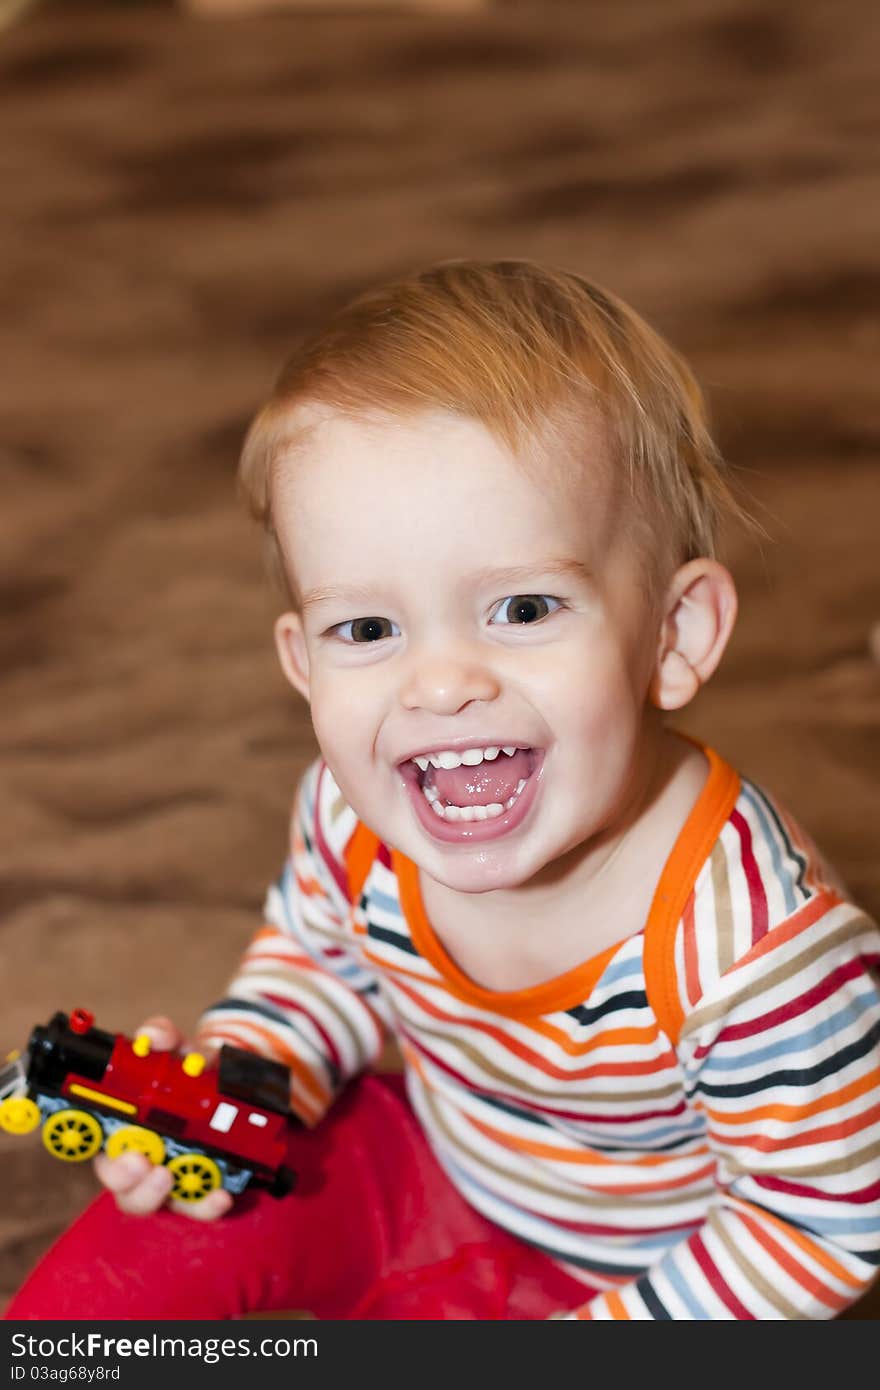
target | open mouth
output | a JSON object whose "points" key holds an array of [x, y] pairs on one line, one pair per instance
{"points": [[461, 802]]}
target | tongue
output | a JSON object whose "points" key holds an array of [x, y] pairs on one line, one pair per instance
{"points": [[482, 785]]}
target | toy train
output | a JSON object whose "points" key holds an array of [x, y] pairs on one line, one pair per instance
{"points": [[217, 1124]]}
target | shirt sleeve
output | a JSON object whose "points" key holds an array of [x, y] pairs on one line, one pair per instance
{"points": [[783, 1060], [301, 995]]}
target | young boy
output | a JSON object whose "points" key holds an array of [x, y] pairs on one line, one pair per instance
{"points": [[638, 1015]]}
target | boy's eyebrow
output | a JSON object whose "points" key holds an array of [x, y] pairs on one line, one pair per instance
{"points": [[503, 574]]}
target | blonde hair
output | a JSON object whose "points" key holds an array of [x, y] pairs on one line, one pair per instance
{"points": [[531, 352]]}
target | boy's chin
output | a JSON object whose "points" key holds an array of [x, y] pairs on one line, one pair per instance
{"points": [[483, 878], [500, 865]]}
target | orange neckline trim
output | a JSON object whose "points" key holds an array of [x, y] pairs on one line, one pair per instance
{"points": [[696, 837]]}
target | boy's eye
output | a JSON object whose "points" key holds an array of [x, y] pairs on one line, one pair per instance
{"points": [[370, 627], [524, 610]]}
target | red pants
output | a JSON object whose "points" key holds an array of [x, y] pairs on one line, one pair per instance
{"points": [[373, 1230]]}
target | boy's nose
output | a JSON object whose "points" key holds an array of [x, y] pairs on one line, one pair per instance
{"points": [[446, 683]]}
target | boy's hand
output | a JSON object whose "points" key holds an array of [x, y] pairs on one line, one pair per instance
{"points": [[141, 1187]]}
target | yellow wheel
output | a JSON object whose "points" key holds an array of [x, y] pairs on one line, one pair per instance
{"points": [[72, 1135], [19, 1115], [132, 1137], [195, 1175]]}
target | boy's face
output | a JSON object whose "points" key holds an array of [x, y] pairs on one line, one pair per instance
{"points": [[433, 654]]}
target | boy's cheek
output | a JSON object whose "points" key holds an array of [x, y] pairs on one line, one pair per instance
{"points": [[343, 738]]}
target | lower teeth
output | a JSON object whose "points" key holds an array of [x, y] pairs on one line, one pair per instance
{"points": [[454, 813]]}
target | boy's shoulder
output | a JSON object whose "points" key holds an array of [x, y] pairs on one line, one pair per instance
{"points": [[764, 896], [778, 862], [322, 814]]}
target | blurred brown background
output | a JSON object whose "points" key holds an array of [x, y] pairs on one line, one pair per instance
{"points": [[181, 198]]}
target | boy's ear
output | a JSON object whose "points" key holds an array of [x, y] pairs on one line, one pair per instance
{"points": [[290, 643], [699, 614]]}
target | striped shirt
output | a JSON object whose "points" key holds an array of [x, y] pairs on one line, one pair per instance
{"points": [[689, 1122]]}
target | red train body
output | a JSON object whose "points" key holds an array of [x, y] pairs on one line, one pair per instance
{"points": [[222, 1122]]}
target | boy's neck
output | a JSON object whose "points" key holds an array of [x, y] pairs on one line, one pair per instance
{"points": [[588, 899]]}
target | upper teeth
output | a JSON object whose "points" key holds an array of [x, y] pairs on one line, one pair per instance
{"points": [[468, 756]]}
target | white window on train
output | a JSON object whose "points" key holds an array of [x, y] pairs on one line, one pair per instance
{"points": [[255, 1119], [223, 1116]]}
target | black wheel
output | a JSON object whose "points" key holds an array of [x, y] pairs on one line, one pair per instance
{"points": [[284, 1182]]}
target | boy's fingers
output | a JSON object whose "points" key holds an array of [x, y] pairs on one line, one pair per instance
{"points": [[141, 1188], [162, 1032], [137, 1185], [216, 1204], [122, 1173], [165, 1036], [148, 1195]]}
